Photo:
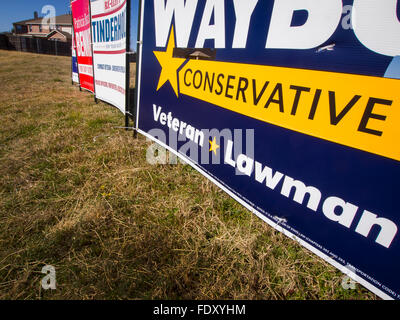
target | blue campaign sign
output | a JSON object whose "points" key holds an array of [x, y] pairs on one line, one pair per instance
{"points": [[75, 72], [292, 108], [75, 76]]}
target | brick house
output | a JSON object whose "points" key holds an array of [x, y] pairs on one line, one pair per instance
{"points": [[37, 27]]}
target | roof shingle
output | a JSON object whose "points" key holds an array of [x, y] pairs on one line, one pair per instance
{"points": [[65, 19]]}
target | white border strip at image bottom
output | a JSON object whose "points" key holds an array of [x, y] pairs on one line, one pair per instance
{"points": [[276, 226]]}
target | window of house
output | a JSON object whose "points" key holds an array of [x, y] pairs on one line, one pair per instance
{"points": [[40, 28], [30, 28]]}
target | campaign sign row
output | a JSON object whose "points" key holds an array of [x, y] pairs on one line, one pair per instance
{"points": [[100, 48]]}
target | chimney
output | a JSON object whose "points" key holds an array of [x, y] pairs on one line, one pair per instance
{"points": [[36, 15]]}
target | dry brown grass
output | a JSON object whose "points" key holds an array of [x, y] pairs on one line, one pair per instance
{"points": [[78, 194]]}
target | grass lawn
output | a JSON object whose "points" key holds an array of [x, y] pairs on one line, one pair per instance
{"points": [[77, 193]]}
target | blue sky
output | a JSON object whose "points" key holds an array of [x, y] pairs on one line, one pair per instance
{"points": [[17, 10]]}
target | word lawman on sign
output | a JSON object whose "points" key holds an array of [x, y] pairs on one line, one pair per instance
{"points": [[321, 98]]}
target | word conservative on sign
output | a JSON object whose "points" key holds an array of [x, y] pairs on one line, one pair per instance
{"points": [[317, 82]]}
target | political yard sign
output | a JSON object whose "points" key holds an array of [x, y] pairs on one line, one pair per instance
{"points": [[292, 107], [109, 30], [81, 26], [75, 74]]}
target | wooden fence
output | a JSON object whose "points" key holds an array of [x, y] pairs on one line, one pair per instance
{"points": [[35, 45]]}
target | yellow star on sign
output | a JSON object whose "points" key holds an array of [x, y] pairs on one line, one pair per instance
{"points": [[214, 146], [169, 65]]}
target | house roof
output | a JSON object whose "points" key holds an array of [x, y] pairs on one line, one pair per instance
{"points": [[65, 34], [199, 54], [65, 19], [206, 53], [24, 21]]}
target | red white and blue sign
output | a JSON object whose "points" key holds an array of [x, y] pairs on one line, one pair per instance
{"points": [[109, 30], [81, 25], [75, 74]]}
